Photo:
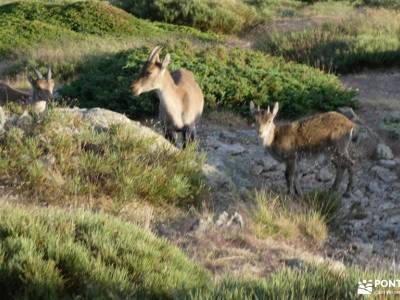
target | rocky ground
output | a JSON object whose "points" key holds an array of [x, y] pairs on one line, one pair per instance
{"points": [[368, 229]]}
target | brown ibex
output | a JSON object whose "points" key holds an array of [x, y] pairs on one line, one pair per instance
{"points": [[42, 91], [287, 142], [181, 99]]}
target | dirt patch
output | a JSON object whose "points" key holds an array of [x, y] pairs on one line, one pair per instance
{"points": [[379, 96]]}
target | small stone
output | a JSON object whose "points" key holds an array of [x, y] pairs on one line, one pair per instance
{"points": [[383, 152], [257, 170], [384, 174], [233, 149], [222, 219], [387, 163], [236, 219], [365, 249], [374, 187], [324, 174], [269, 163]]}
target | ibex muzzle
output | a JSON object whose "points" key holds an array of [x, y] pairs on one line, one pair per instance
{"points": [[181, 99], [326, 132]]}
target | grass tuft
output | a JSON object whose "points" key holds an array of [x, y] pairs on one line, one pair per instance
{"points": [[58, 157], [276, 216]]}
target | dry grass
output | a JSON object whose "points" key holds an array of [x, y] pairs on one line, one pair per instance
{"points": [[278, 217]]}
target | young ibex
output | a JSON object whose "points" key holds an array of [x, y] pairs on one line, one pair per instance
{"points": [[181, 99], [326, 132], [42, 92]]}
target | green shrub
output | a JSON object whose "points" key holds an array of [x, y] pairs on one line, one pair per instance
{"points": [[378, 3], [326, 203], [220, 16], [229, 79], [310, 282], [58, 158], [343, 47], [54, 254], [26, 25]]}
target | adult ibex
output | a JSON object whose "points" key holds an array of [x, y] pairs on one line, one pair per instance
{"points": [[181, 99], [42, 91], [325, 132]]}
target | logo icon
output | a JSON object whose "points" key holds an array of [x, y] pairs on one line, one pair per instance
{"points": [[364, 287]]}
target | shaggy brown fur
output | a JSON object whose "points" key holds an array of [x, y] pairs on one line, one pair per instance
{"points": [[8, 94], [287, 142]]}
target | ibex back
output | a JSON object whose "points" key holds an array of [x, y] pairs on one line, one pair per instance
{"points": [[42, 91], [181, 99], [326, 132]]}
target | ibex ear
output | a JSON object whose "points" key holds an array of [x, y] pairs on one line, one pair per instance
{"points": [[49, 73], [268, 110], [166, 62], [276, 108], [38, 74]]}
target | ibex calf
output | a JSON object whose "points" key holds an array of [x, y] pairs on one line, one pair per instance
{"points": [[42, 91], [181, 99], [326, 132]]}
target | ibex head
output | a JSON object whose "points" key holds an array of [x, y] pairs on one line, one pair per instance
{"points": [[264, 118], [42, 86], [151, 76]]}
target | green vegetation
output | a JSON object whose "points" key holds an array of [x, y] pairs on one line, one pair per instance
{"points": [[311, 282], [62, 34], [326, 203], [274, 216], [224, 16], [391, 124], [230, 78], [51, 254], [342, 46], [58, 157]]}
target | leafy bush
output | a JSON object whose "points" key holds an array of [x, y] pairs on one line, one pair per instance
{"points": [[52, 254], [220, 16], [59, 158], [229, 79], [343, 47]]}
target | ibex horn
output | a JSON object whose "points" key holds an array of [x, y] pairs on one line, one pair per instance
{"points": [[38, 74], [49, 73], [154, 54]]}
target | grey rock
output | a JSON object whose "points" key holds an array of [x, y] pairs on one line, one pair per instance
{"points": [[269, 163], [222, 219], [387, 163], [365, 249], [383, 152], [236, 219], [231, 149], [374, 187], [257, 170], [384, 174], [324, 174]]}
